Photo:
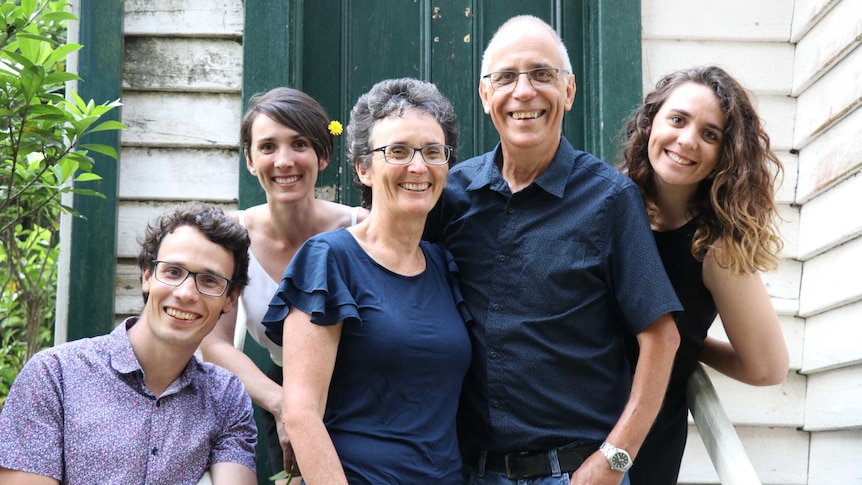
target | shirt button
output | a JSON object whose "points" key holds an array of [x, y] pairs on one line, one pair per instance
{"points": [[493, 354], [501, 258], [495, 403], [511, 211], [495, 307]]}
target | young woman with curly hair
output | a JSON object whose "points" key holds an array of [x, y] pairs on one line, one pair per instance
{"points": [[699, 153]]}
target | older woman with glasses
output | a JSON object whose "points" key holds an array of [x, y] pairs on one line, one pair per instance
{"points": [[373, 327]]}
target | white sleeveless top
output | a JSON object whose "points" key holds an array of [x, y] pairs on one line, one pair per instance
{"points": [[255, 298]]}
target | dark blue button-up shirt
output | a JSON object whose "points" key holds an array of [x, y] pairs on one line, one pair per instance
{"points": [[555, 275]]}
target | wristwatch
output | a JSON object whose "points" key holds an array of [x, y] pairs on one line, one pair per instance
{"points": [[618, 458]]}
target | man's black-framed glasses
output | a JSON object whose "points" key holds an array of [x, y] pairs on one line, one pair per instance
{"points": [[173, 274], [398, 154], [540, 78]]}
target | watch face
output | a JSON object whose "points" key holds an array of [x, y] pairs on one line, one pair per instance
{"points": [[619, 460]]}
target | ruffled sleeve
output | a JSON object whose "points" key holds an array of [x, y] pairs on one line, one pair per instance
{"points": [[312, 283]]}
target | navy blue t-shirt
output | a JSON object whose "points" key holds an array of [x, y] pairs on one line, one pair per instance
{"points": [[555, 276], [401, 360]]}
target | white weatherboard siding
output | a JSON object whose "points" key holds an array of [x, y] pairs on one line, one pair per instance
{"points": [[834, 35], [181, 18], [828, 84], [207, 173], [779, 456], [182, 81], [834, 458]]}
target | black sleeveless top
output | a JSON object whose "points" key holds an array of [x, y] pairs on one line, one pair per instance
{"points": [[659, 459], [686, 276]]}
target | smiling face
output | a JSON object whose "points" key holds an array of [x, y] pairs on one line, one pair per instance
{"points": [[686, 137], [410, 189], [526, 117], [180, 315], [283, 160]]}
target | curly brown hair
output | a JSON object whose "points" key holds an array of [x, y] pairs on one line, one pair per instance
{"points": [[213, 223], [735, 205]]}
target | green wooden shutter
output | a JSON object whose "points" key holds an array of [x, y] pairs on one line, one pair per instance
{"points": [[93, 257]]}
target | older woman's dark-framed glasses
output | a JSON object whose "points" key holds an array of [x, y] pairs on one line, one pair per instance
{"points": [[398, 154], [207, 284], [540, 78]]}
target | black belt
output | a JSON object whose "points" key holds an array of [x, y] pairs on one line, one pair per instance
{"points": [[528, 464]]}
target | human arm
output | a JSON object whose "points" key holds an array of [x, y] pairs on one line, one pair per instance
{"points": [[17, 477], [232, 432], [32, 431], [228, 473], [658, 344], [310, 363], [218, 348], [756, 353]]}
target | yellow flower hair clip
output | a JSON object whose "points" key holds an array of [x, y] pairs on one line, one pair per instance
{"points": [[335, 128]]}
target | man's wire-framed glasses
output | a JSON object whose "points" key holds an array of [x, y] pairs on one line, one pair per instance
{"points": [[173, 274], [398, 154], [540, 78]]}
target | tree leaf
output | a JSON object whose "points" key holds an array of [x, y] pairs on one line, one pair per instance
{"points": [[31, 80], [59, 54], [89, 192], [61, 77], [58, 16], [28, 6], [103, 149], [87, 177], [108, 126]]}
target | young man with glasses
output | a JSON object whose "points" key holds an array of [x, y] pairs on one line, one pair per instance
{"points": [[136, 406], [557, 264]]}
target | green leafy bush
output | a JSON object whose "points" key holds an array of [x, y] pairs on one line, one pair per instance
{"points": [[41, 159]]}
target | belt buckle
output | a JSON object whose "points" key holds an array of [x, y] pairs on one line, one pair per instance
{"points": [[510, 473]]}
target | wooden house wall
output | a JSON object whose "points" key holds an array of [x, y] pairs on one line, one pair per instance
{"points": [[182, 81], [828, 85]]}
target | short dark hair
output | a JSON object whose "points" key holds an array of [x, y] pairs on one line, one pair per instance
{"points": [[210, 220], [393, 97], [293, 109]]}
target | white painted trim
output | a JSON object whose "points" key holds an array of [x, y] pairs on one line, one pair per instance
{"points": [[722, 443], [64, 263]]}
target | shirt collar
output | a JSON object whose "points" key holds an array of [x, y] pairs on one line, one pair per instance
{"points": [[553, 180], [488, 173], [123, 358], [124, 361]]}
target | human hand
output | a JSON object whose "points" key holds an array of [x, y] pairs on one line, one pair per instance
{"points": [[291, 468], [290, 465], [596, 471]]}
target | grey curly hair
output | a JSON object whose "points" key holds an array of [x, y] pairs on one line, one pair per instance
{"points": [[393, 97]]}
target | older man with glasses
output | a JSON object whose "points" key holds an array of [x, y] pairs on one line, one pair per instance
{"points": [[136, 406], [558, 265]]}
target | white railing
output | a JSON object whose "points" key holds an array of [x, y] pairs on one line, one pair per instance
{"points": [[720, 438]]}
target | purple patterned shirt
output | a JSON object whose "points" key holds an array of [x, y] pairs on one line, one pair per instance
{"points": [[80, 413]]}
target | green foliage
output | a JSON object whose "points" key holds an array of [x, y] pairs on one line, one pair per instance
{"points": [[40, 129]]}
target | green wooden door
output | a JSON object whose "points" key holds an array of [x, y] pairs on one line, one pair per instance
{"points": [[335, 50]]}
